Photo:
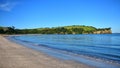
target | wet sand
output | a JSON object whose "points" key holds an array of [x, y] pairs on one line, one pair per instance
{"points": [[14, 55]]}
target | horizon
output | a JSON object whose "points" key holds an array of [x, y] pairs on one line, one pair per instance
{"points": [[54, 13]]}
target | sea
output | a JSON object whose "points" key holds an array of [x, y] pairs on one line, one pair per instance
{"points": [[97, 50]]}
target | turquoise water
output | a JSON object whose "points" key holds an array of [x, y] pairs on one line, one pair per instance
{"points": [[105, 47]]}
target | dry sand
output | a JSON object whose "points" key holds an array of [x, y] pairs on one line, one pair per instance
{"points": [[13, 55]]}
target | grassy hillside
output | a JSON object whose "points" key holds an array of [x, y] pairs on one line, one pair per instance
{"points": [[74, 29]]}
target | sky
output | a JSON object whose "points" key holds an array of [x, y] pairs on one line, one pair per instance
{"points": [[52, 13]]}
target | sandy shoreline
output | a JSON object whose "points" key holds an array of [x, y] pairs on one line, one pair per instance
{"points": [[13, 55]]}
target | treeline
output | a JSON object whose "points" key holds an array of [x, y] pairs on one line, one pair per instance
{"points": [[7, 30], [74, 29]]}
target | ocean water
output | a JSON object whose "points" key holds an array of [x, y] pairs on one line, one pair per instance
{"points": [[105, 47]]}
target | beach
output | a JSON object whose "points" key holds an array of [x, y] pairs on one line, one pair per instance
{"points": [[14, 55]]}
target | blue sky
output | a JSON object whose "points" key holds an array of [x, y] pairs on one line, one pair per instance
{"points": [[52, 13]]}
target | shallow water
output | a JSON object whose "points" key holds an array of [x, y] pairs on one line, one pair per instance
{"points": [[105, 47]]}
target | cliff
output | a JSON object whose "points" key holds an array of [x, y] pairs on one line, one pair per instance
{"points": [[103, 31]]}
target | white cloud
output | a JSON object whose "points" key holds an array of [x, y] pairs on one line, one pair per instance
{"points": [[7, 6]]}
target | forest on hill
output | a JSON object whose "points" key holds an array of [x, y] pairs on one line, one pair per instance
{"points": [[74, 29]]}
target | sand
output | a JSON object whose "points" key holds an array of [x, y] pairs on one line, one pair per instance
{"points": [[14, 55]]}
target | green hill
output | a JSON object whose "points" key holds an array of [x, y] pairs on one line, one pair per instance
{"points": [[74, 29]]}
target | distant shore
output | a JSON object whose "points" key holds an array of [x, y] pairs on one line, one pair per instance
{"points": [[13, 55], [73, 29]]}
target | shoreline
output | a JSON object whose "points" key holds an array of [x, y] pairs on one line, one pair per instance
{"points": [[50, 34], [14, 55]]}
